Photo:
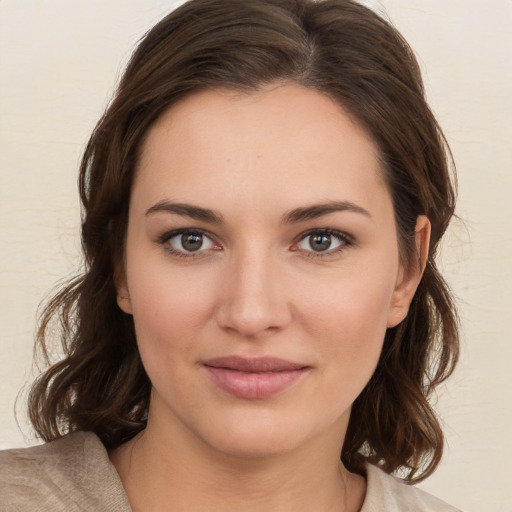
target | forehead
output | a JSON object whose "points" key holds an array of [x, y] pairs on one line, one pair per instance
{"points": [[287, 143]]}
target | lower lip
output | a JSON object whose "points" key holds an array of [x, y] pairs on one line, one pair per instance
{"points": [[256, 385]]}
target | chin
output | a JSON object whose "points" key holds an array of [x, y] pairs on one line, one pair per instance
{"points": [[264, 435], [254, 445]]}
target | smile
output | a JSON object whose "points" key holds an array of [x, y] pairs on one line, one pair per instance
{"points": [[253, 379]]}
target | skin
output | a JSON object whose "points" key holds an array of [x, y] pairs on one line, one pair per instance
{"points": [[257, 288]]}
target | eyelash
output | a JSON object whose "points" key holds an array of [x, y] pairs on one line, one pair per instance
{"points": [[164, 239], [345, 240]]}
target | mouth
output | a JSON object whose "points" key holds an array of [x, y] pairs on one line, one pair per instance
{"points": [[254, 378]]}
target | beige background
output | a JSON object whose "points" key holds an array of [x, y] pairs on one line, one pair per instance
{"points": [[59, 62]]}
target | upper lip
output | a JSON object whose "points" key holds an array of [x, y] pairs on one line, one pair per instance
{"points": [[253, 365]]}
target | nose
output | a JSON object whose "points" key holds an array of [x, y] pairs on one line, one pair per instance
{"points": [[254, 299]]}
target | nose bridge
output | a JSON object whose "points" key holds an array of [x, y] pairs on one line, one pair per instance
{"points": [[254, 298]]}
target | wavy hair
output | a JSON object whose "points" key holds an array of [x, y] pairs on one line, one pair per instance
{"points": [[341, 49]]}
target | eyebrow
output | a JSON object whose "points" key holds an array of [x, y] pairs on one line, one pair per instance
{"points": [[194, 212], [318, 210], [297, 215]]}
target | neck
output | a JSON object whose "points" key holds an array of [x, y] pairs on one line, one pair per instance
{"points": [[161, 470]]}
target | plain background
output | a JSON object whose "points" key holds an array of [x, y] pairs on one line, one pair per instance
{"points": [[59, 62]]}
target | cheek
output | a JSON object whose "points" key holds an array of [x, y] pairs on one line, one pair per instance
{"points": [[351, 300], [169, 310], [347, 315]]}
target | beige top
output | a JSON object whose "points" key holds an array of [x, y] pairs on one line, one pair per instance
{"points": [[75, 474]]}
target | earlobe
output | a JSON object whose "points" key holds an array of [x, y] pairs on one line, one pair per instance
{"points": [[409, 279], [123, 296]]}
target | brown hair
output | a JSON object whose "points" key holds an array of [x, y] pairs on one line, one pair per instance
{"points": [[341, 49]]}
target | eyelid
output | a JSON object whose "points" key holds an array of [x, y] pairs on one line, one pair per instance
{"points": [[164, 239], [345, 239]]}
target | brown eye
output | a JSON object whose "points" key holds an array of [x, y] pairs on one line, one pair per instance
{"points": [[319, 242], [186, 242], [191, 241], [324, 241]]}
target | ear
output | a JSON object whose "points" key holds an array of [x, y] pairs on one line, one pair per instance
{"points": [[409, 279], [123, 295]]}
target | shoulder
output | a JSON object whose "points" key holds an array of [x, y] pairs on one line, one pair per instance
{"points": [[72, 473], [386, 492]]}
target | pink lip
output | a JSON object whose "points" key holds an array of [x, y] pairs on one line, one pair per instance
{"points": [[256, 378]]}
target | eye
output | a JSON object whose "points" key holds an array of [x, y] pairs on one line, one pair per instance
{"points": [[187, 242], [324, 241]]}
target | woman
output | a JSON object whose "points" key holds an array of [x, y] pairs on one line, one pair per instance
{"points": [[261, 321]]}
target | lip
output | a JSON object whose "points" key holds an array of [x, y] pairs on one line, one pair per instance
{"points": [[253, 378]]}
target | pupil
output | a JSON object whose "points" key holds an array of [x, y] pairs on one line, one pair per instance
{"points": [[191, 241], [320, 242]]}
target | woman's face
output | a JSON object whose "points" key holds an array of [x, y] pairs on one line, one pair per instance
{"points": [[261, 269]]}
